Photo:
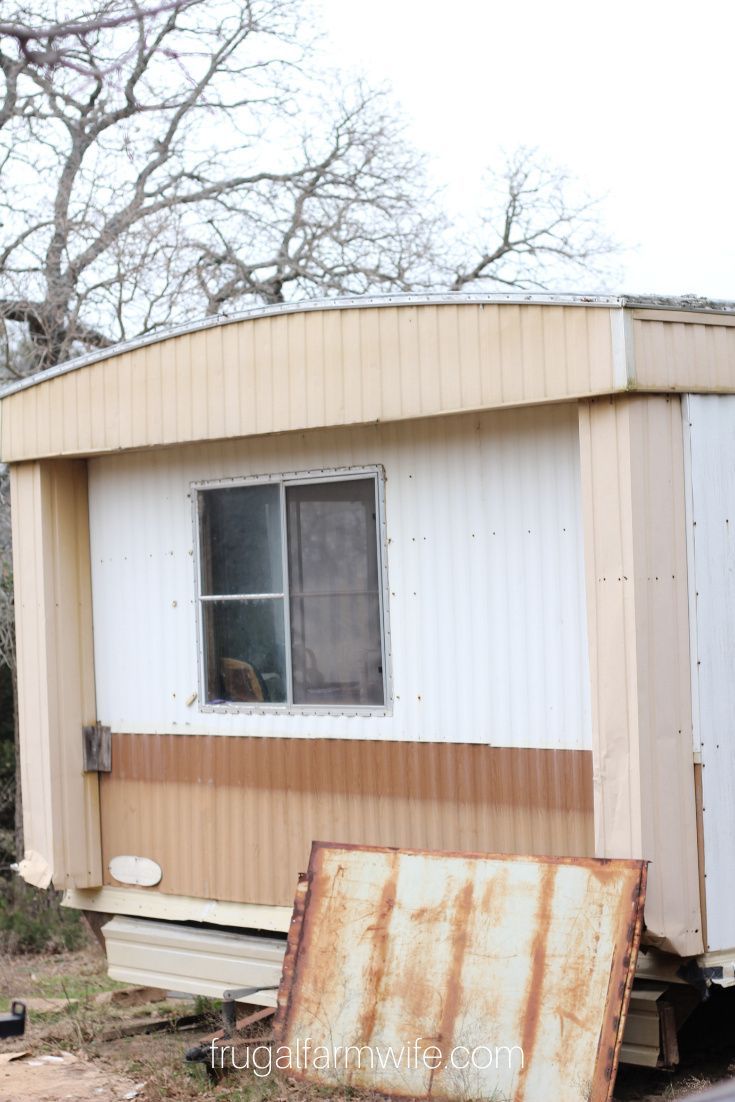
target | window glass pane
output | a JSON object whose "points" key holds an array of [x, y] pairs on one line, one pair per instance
{"points": [[240, 533], [245, 651], [334, 593]]}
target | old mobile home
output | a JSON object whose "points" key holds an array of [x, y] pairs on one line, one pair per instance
{"points": [[452, 573]]}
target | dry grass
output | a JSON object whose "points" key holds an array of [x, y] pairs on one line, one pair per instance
{"points": [[658, 1087], [77, 975]]}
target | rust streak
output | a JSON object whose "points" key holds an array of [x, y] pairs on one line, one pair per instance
{"points": [[453, 996], [569, 1015], [293, 944], [638, 900], [533, 1001], [375, 972]]}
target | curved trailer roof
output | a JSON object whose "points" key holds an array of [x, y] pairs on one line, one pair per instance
{"points": [[358, 360]]}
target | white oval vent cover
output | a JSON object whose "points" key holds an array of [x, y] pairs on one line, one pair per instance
{"points": [[135, 870]]}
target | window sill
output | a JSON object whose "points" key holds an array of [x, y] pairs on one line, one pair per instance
{"points": [[296, 710]]}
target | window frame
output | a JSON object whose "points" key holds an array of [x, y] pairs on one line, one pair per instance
{"points": [[283, 479]]}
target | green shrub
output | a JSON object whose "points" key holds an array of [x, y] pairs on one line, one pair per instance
{"points": [[32, 920], [210, 1009]]}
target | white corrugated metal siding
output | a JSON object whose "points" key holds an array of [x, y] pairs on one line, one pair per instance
{"points": [[710, 428], [487, 609]]}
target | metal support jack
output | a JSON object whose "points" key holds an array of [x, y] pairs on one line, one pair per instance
{"points": [[232, 1028]]}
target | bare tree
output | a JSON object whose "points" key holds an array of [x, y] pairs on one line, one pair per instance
{"points": [[535, 231], [181, 159], [52, 44], [349, 222]]}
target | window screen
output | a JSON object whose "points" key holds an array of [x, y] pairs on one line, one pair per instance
{"points": [[290, 593]]}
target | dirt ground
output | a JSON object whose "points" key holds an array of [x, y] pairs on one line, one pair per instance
{"points": [[76, 1049], [61, 1076]]}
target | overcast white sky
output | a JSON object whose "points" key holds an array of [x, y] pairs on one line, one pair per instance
{"points": [[637, 100]]}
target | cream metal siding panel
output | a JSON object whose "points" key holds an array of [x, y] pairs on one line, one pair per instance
{"points": [[35, 760], [177, 908], [230, 380], [295, 358], [55, 668], [123, 418], [83, 414], [204, 808], [56, 440], [576, 331], [168, 391], [604, 351], [510, 366], [279, 393], [429, 397], [355, 364], [97, 408], [684, 352], [197, 961], [111, 407], [211, 353], [5, 433], [315, 402], [663, 667], [262, 369], [69, 621], [635, 549], [315, 369], [330, 338], [711, 438], [485, 572], [20, 417]]}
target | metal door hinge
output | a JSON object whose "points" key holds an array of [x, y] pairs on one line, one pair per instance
{"points": [[97, 742]]}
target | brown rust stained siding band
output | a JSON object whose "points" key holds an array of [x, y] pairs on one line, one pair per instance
{"points": [[348, 766], [233, 818]]}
